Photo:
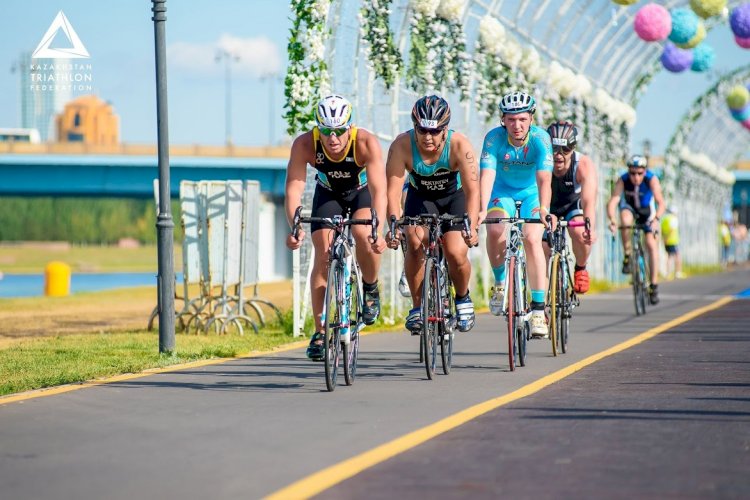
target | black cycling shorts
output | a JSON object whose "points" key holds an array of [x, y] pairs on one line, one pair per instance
{"points": [[642, 215], [326, 203], [454, 204]]}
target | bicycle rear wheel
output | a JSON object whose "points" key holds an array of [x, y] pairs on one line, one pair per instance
{"points": [[430, 305], [638, 283], [565, 306], [351, 350], [511, 300], [554, 309], [448, 321], [332, 321]]}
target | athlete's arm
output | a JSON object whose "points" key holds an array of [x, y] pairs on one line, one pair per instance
{"points": [[371, 155], [487, 173], [296, 173], [661, 207], [587, 177], [544, 174], [614, 200], [466, 162], [395, 171]]}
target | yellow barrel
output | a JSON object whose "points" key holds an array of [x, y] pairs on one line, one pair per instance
{"points": [[57, 279]]}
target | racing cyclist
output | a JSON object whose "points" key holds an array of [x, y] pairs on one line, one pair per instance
{"points": [[443, 178], [635, 194], [516, 164], [351, 176], [574, 188]]}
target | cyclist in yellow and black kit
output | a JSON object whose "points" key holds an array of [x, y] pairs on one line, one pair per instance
{"points": [[351, 176]]}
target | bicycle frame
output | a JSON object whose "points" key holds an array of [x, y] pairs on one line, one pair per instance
{"points": [[343, 269]]}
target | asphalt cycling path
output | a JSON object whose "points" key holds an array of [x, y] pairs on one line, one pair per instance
{"points": [[666, 417]]}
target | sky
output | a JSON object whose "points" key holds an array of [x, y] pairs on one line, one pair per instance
{"points": [[119, 36]]}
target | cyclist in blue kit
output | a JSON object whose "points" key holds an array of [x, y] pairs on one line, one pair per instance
{"points": [[637, 194], [516, 164]]}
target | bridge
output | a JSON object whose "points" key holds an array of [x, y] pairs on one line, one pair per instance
{"points": [[129, 171]]}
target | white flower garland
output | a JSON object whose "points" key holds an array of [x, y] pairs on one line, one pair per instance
{"points": [[307, 76], [385, 59]]}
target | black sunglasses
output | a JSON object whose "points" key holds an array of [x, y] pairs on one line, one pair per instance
{"points": [[565, 149], [430, 131], [637, 173]]}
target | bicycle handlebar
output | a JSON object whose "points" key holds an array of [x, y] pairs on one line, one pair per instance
{"points": [[336, 221], [511, 220], [429, 220], [571, 223]]}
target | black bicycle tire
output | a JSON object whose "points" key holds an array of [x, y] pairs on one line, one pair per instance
{"points": [[429, 328], [351, 351], [332, 339], [446, 332], [565, 284], [522, 326], [554, 308], [510, 299]]}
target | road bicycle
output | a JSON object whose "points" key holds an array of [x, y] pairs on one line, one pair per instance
{"points": [[438, 312], [516, 302], [342, 317], [561, 299], [639, 269]]}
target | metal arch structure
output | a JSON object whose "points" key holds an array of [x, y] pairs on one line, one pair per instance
{"points": [[708, 128]]}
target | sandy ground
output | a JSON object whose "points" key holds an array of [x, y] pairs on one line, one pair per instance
{"points": [[114, 311]]}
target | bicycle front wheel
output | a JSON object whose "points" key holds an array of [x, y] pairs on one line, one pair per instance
{"points": [[639, 285], [554, 309], [565, 306], [351, 350], [522, 308], [448, 322], [430, 305], [332, 320], [512, 320]]}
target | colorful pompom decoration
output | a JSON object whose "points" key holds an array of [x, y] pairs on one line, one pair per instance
{"points": [[700, 34], [746, 124], [741, 114], [739, 21], [684, 25], [708, 8], [703, 58], [742, 42], [738, 97], [624, 2], [675, 59], [652, 23]]}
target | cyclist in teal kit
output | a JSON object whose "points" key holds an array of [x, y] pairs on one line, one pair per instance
{"points": [[516, 164]]}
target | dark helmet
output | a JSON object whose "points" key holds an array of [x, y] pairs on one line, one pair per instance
{"points": [[432, 112], [563, 134], [637, 161]]}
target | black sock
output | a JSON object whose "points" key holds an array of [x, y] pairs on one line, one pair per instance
{"points": [[580, 268], [462, 297], [537, 306], [370, 287]]}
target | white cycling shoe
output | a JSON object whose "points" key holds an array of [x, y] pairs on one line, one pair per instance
{"points": [[538, 323]]}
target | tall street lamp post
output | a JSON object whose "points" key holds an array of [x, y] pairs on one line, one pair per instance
{"points": [[164, 224], [228, 58]]}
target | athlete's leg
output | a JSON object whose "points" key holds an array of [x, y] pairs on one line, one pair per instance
{"points": [[580, 249], [457, 257], [368, 260], [321, 240], [652, 246]]}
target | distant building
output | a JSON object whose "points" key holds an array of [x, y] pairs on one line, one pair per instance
{"points": [[89, 120], [40, 103], [29, 135]]}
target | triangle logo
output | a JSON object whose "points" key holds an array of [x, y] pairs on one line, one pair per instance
{"points": [[77, 51]]}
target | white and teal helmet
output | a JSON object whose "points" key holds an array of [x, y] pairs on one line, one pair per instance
{"points": [[334, 111], [517, 102]]}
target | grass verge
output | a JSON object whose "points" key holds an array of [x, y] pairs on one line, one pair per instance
{"points": [[67, 359]]}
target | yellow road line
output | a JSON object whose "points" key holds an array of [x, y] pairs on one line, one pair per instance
{"points": [[330, 476]]}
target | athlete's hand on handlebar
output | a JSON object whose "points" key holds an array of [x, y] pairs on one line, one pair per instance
{"points": [[395, 235], [295, 239]]}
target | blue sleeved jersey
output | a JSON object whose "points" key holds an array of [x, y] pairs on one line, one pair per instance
{"points": [[516, 166]]}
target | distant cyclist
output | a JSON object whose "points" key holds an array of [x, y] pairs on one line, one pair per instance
{"points": [[637, 194], [351, 175], [516, 164], [574, 188], [443, 178]]}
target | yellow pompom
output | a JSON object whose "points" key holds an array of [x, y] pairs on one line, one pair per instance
{"points": [[700, 34]]}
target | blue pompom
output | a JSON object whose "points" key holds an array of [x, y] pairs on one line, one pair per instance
{"points": [[703, 57], [684, 25]]}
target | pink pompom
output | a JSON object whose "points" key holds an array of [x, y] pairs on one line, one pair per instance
{"points": [[742, 42], [746, 124], [652, 23]]}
